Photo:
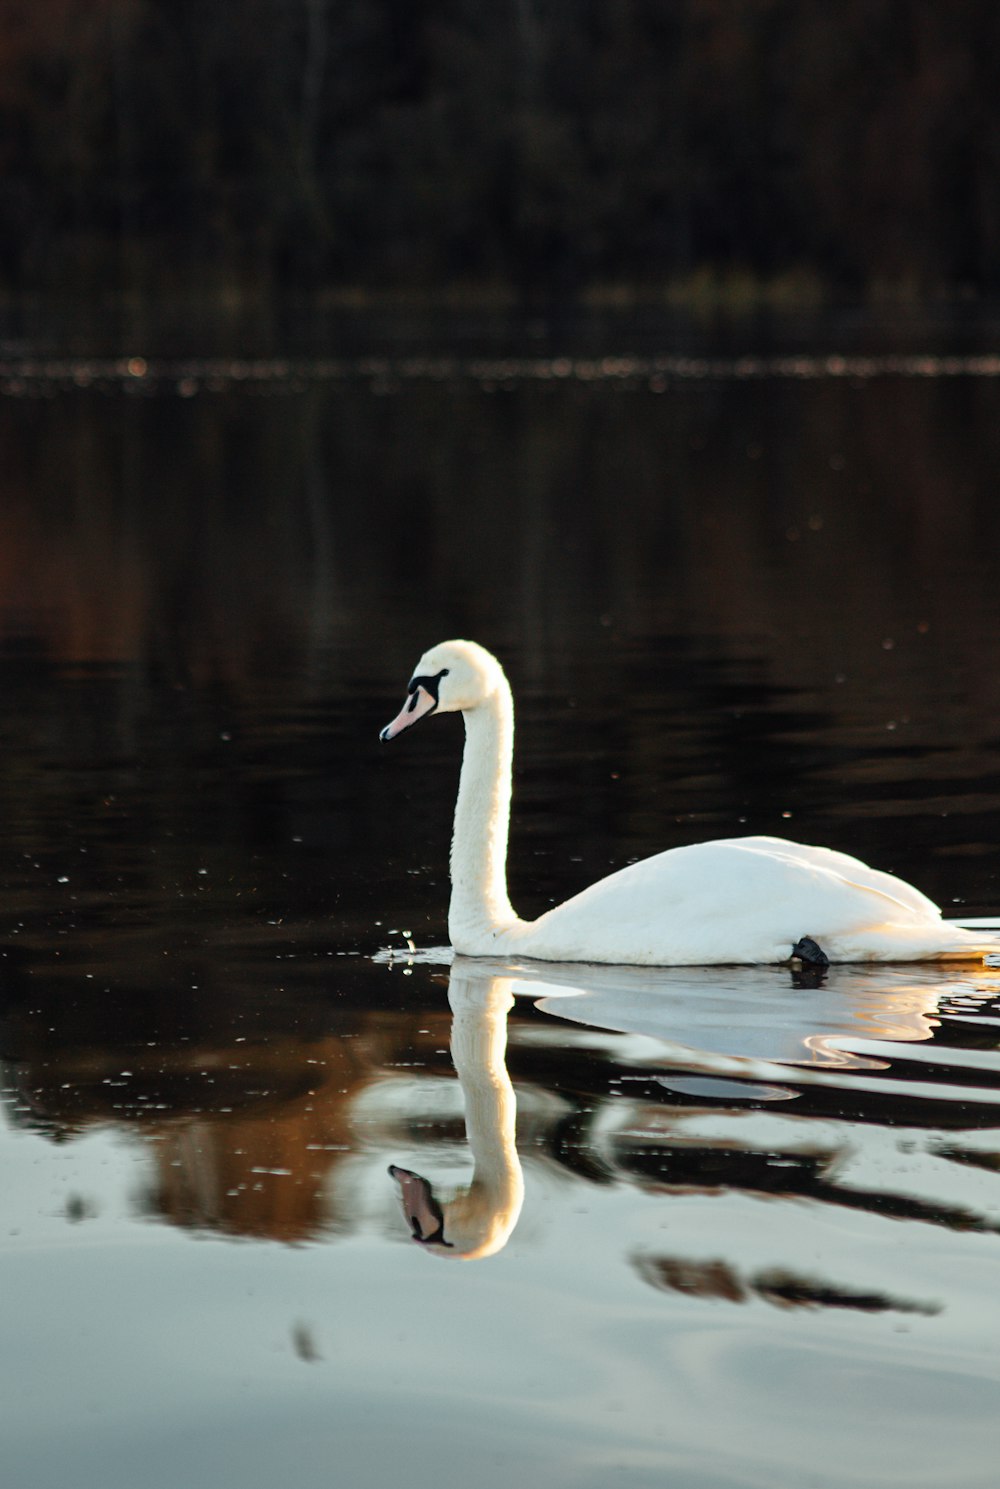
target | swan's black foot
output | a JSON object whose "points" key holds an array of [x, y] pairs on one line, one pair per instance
{"points": [[810, 954]]}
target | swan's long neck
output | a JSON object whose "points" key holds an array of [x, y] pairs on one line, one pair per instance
{"points": [[479, 900]]}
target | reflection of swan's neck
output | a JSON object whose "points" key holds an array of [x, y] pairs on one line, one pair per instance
{"points": [[479, 901], [480, 1221]]}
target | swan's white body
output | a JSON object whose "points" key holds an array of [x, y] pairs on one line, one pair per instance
{"points": [[736, 900]]}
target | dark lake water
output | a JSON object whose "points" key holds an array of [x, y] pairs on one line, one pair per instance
{"points": [[710, 1227]]}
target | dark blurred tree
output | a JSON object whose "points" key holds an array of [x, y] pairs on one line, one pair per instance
{"points": [[148, 145]]}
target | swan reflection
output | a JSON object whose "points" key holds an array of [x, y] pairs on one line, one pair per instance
{"points": [[851, 1049], [756, 1012], [477, 1220]]}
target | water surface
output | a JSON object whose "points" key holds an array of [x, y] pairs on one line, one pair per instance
{"points": [[712, 1227]]}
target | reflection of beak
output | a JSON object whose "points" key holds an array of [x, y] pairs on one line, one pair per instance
{"points": [[418, 704], [423, 1213]]}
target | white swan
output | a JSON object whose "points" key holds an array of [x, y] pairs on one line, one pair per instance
{"points": [[736, 900]]}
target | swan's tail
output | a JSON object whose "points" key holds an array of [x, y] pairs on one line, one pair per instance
{"points": [[984, 931], [937, 941]]}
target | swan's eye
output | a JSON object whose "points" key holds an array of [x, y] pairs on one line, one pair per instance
{"points": [[429, 684]]}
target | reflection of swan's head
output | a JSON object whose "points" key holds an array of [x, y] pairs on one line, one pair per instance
{"points": [[475, 1222], [454, 676], [423, 1213]]}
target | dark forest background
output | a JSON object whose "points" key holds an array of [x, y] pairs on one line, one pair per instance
{"points": [[568, 147]]}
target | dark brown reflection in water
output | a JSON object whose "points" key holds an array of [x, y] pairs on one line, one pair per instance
{"points": [[245, 1103], [714, 1280]]}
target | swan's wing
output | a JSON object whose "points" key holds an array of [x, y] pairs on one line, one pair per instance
{"points": [[847, 867], [740, 900]]}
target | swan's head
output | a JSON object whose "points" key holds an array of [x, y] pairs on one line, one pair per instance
{"points": [[452, 677]]}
